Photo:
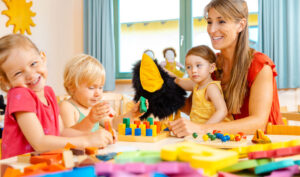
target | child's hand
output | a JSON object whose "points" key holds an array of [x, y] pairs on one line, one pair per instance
{"points": [[135, 111], [112, 112], [101, 138], [99, 111]]}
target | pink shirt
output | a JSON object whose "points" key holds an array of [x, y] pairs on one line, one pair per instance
{"points": [[23, 99]]}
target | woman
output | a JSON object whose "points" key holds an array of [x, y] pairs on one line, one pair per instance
{"points": [[247, 76]]}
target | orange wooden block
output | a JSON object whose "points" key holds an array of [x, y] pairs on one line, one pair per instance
{"points": [[91, 150], [69, 146], [57, 151], [35, 168], [11, 172], [49, 159], [54, 168]]}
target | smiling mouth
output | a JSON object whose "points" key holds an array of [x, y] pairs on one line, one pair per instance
{"points": [[216, 38], [35, 82]]}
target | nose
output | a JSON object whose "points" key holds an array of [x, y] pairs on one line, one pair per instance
{"points": [[30, 75], [211, 28], [194, 69]]}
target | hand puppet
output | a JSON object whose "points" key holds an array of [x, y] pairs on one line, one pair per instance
{"points": [[151, 81]]}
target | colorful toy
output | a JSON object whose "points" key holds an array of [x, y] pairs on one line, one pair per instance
{"points": [[246, 164], [219, 140], [149, 157], [273, 166], [170, 64], [260, 138], [143, 106], [285, 172], [147, 131], [209, 159], [167, 168], [150, 80], [244, 150], [282, 129]]}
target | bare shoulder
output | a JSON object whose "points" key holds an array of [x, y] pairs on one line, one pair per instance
{"points": [[66, 105], [213, 88]]}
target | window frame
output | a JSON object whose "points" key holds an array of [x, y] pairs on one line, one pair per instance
{"points": [[185, 30]]}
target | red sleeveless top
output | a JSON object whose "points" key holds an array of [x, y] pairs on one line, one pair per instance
{"points": [[258, 62]]}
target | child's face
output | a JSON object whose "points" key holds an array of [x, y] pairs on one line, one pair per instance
{"points": [[170, 55], [198, 69], [88, 95], [24, 67]]}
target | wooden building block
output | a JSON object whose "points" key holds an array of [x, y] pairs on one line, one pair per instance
{"points": [[147, 139], [91, 150], [68, 159]]}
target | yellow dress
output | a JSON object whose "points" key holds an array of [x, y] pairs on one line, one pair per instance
{"points": [[202, 109], [171, 66]]}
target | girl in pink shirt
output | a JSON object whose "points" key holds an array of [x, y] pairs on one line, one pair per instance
{"points": [[32, 121]]}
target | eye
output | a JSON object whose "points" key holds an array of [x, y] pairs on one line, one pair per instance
{"points": [[222, 21], [188, 67], [209, 22], [199, 65], [34, 63], [17, 74], [91, 88]]}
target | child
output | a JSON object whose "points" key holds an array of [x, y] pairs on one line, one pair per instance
{"points": [[32, 120], [84, 78], [208, 105]]}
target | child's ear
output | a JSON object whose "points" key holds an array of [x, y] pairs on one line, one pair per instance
{"points": [[212, 68], [43, 56]]}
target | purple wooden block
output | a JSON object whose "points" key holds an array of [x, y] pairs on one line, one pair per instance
{"points": [[285, 172], [173, 167], [135, 168]]}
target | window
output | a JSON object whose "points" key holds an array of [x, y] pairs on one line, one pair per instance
{"points": [[158, 24]]}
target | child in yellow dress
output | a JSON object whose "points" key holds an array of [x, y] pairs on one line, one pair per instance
{"points": [[208, 105]]}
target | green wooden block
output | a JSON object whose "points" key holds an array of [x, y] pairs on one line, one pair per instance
{"points": [[149, 157], [246, 164], [126, 121], [150, 120], [143, 106]]}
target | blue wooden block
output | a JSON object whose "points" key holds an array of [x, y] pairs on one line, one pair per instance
{"points": [[128, 131], [88, 171], [273, 166], [106, 157], [138, 132], [148, 132]]}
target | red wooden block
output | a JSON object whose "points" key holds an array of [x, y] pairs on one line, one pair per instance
{"points": [[49, 159]]}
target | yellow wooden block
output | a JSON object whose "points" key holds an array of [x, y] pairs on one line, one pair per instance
{"points": [[121, 129], [209, 159], [154, 132], [147, 139], [277, 145], [143, 129]]}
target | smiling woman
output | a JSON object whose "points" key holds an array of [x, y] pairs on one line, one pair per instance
{"points": [[247, 76]]}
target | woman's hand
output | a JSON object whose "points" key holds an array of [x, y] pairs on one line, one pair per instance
{"points": [[99, 111], [183, 127]]}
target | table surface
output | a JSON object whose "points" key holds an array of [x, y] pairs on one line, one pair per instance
{"points": [[122, 146]]}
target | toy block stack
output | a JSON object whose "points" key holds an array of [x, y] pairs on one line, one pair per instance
{"points": [[146, 131]]}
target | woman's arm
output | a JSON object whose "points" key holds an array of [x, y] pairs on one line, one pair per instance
{"points": [[34, 133], [215, 96], [260, 102]]}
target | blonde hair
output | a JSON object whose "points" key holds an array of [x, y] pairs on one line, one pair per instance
{"points": [[82, 69], [236, 89], [204, 52], [8, 43]]}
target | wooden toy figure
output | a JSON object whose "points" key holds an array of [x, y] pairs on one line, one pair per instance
{"points": [[170, 64]]}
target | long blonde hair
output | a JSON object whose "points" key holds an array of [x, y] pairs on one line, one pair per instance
{"points": [[236, 88], [7, 43]]}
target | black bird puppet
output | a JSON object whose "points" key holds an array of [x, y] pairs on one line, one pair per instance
{"points": [[150, 81]]}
